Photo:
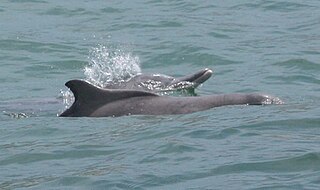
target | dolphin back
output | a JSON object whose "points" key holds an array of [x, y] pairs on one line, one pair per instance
{"points": [[88, 97]]}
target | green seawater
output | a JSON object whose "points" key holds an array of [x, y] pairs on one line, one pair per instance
{"points": [[252, 46]]}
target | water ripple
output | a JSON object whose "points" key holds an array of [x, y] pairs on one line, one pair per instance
{"points": [[307, 162], [300, 65], [26, 158], [310, 161]]}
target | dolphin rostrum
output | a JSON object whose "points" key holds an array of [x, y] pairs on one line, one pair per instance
{"points": [[91, 101]]}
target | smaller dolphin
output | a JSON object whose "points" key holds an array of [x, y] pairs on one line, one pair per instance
{"points": [[91, 101], [160, 82]]}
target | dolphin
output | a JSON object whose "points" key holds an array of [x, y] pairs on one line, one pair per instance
{"points": [[92, 101], [160, 82]]}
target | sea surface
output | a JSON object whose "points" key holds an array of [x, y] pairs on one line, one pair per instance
{"points": [[269, 46]]}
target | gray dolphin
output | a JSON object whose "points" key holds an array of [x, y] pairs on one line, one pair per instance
{"points": [[160, 82], [91, 101]]}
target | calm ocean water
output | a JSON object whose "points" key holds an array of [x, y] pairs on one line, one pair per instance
{"points": [[252, 46]]}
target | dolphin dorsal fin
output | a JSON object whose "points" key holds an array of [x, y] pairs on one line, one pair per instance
{"points": [[89, 97], [86, 92], [80, 89]]}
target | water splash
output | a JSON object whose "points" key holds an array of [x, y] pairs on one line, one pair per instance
{"points": [[108, 65], [67, 98], [159, 86], [272, 100]]}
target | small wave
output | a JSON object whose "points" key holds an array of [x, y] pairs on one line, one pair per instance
{"points": [[299, 64], [308, 161], [283, 6]]}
